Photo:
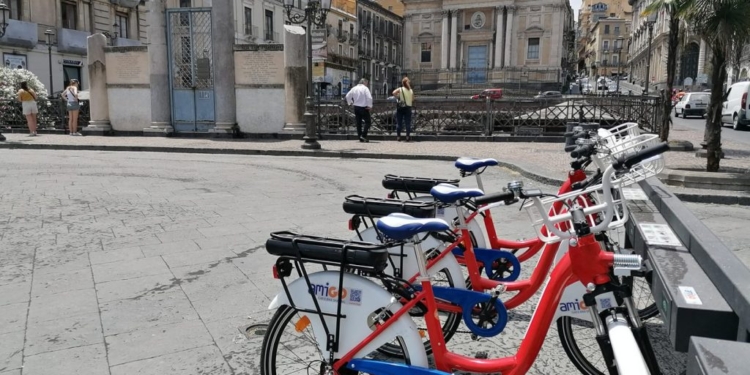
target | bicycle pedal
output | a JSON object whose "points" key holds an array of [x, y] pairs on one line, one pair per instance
{"points": [[482, 355]]}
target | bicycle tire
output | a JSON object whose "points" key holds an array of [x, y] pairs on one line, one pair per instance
{"points": [[279, 321], [573, 351]]}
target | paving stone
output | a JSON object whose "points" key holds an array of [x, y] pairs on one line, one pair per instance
{"points": [[13, 317], [102, 257], [56, 306], [183, 225], [82, 360], [130, 241], [147, 310], [11, 349], [52, 283], [241, 352], [203, 360], [15, 273], [234, 242], [204, 281], [198, 257], [180, 235], [15, 293], [169, 248], [222, 230], [135, 288], [156, 341], [57, 263], [129, 269], [63, 333], [242, 300]]}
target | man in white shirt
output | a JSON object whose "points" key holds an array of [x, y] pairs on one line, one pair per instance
{"points": [[361, 99]]}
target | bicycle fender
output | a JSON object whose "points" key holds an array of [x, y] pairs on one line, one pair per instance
{"points": [[361, 299]]}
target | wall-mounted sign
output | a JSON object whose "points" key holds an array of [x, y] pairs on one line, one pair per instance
{"points": [[477, 20], [72, 62], [599, 7], [13, 61], [318, 36]]}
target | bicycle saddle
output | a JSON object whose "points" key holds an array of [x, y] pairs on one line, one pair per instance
{"points": [[401, 226], [472, 164], [449, 194]]}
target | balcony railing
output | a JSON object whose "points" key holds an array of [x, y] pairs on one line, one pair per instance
{"points": [[271, 36], [251, 30], [342, 36], [354, 39], [20, 34]]}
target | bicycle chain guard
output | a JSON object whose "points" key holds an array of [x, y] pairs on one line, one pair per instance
{"points": [[468, 299], [496, 262]]}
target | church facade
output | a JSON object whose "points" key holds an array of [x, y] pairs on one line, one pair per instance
{"points": [[474, 42]]}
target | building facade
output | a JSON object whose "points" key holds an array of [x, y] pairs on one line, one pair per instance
{"points": [[66, 24], [337, 60], [691, 60], [380, 46], [487, 42], [606, 47], [589, 14]]}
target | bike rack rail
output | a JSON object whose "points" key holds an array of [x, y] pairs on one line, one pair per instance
{"points": [[700, 287]]}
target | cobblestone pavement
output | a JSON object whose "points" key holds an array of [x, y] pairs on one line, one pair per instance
{"points": [[124, 263]]}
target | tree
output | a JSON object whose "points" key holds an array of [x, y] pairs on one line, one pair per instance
{"points": [[735, 56], [674, 9], [719, 23]]}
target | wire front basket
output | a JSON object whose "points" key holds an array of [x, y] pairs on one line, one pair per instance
{"points": [[552, 221], [612, 149]]}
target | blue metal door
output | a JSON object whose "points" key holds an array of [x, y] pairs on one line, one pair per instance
{"points": [[191, 69], [477, 64]]}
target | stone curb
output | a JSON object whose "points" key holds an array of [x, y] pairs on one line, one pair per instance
{"points": [[696, 198]]}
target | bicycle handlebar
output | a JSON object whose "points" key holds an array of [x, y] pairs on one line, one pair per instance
{"points": [[583, 150], [640, 156]]}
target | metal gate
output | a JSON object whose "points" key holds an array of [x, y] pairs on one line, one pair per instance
{"points": [[191, 69], [477, 72]]}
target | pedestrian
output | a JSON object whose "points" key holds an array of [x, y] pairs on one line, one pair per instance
{"points": [[27, 97], [71, 96], [405, 96], [361, 98]]}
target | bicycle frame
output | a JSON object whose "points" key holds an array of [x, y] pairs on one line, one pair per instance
{"points": [[585, 262]]}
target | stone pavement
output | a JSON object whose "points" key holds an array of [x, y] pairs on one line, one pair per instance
{"points": [[148, 263], [543, 161]]}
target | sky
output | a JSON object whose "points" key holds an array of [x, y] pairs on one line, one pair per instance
{"points": [[575, 4]]}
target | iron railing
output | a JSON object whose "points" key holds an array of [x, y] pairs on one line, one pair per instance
{"points": [[538, 117], [52, 115]]}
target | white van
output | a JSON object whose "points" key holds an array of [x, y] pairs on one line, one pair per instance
{"points": [[736, 107]]}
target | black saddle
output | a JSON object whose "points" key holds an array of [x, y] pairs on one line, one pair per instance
{"points": [[379, 207], [328, 250], [414, 184]]}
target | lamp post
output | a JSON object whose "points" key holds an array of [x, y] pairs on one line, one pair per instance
{"points": [[650, 24], [4, 16], [618, 49], [48, 33], [315, 14], [112, 37]]}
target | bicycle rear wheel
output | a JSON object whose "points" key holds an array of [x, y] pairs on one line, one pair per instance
{"points": [[290, 347]]}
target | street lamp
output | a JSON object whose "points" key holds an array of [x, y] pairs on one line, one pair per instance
{"points": [[315, 14], [49, 34], [112, 37], [618, 49], [650, 24], [4, 16]]}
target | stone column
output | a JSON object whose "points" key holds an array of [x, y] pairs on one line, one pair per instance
{"points": [[99, 103], [702, 58], [454, 35], [295, 82], [222, 29], [508, 34], [498, 63], [444, 42], [408, 46], [161, 107]]}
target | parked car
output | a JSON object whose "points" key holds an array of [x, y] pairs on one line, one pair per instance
{"points": [[548, 94], [736, 108], [493, 94], [692, 104], [586, 89]]}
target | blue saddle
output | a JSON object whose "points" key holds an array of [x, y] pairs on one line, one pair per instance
{"points": [[472, 164], [449, 194], [399, 226]]}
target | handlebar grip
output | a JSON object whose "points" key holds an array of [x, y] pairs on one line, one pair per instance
{"points": [[583, 150], [630, 161], [569, 134], [570, 148], [492, 198]]}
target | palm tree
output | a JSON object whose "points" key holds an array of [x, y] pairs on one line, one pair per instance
{"points": [[719, 23], [674, 9]]}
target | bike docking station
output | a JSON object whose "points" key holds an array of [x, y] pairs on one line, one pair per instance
{"points": [[701, 289]]}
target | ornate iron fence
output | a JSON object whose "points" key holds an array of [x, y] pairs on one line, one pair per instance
{"points": [[52, 115], [434, 116]]}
